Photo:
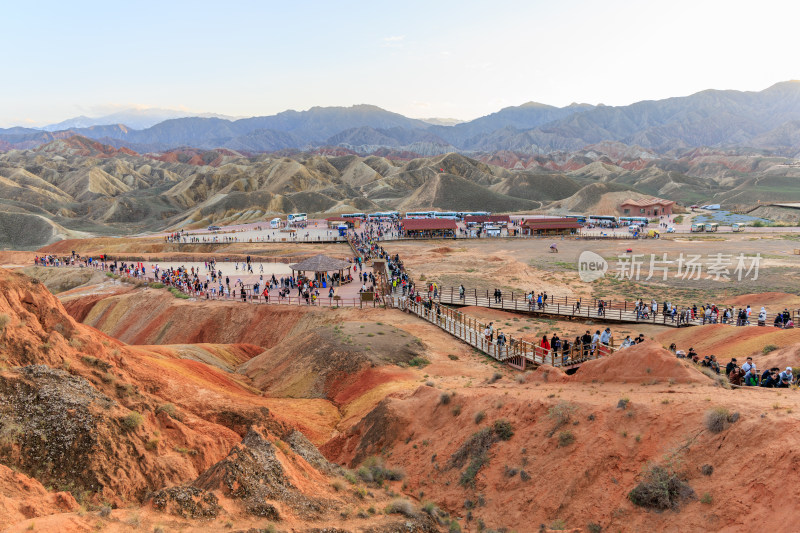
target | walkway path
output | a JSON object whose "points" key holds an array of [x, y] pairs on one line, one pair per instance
{"points": [[517, 354], [563, 306]]}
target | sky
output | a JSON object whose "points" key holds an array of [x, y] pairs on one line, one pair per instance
{"points": [[435, 58]]}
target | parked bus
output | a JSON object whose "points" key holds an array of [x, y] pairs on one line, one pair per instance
{"points": [[738, 227], [362, 216], [445, 214], [602, 219], [696, 228], [275, 223], [711, 226], [419, 214], [297, 217], [462, 214], [387, 215], [633, 220]]}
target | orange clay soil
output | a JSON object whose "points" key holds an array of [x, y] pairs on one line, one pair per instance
{"points": [[115, 424], [581, 449], [645, 361], [727, 341], [580, 471]]}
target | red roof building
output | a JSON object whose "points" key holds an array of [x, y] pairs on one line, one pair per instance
{"points": [[428, 227], [550, 226], [648, 207]]}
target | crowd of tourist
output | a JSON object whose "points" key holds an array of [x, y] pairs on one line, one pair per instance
{"points": [[744, 375]]}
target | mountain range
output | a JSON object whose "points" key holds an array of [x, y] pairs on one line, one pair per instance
{"points": [[75, 186], [767, 120]]}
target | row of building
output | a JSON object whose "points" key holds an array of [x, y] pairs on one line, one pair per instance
{"points": [[495, 225]]}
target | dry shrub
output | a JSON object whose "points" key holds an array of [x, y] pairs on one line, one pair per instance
{"points": [[717, 419], [661, 489], [403, 507], [565, 438]]}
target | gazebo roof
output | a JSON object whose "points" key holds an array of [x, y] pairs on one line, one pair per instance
{"points": [[320, 263]]}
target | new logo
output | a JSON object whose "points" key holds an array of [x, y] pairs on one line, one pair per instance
{"points": [[591, 266]]}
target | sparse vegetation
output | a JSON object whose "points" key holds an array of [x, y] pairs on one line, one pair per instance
{"points": [[403, 507], [560, 414], [565, 438], [768, 348], [503, 429], [706, 499], [177, 293], [132, 421], [170, 410], [717, 419], [495, 377], [444, 399], [419, 361], [479, 416], [4, 321], [661, 488], [373, 470], [475, 450]]}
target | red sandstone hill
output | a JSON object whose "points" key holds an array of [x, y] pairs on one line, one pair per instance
{"points": [[112, 424], [81, 146]]}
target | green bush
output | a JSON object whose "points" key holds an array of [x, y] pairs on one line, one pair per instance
{"points": [[177, 293], [419, 361], [503, 429], [132, 421], [768, 348], [374, 471], [565, 438], [156, 285], [171, 411], [479, 416], [467, 478]]}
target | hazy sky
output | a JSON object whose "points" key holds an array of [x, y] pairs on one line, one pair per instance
{"points": [[421, 58]]}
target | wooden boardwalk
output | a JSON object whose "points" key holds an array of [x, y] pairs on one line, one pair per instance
{"points": [[564, 308], [572, 308], [517, 354]]}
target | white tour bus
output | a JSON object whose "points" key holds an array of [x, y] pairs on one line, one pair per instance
{"points": [[275, 223], [419, 214], [297, 217]]}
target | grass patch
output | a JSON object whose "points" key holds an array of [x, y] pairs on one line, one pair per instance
{"points": [[768, 348], [132, 421], [177, 293], [419, 361]]}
